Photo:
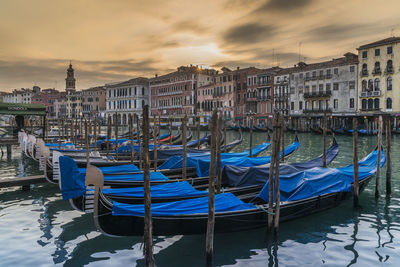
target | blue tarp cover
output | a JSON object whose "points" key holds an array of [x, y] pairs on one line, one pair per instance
{"points": [[235, 176], [169, 190], [73, 181], [56, 145], [202, 162], [223, 202], [318, 181], [127, 147], [116, 169]]}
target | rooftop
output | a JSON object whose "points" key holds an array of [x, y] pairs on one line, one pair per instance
{"points": [[390, 40]]}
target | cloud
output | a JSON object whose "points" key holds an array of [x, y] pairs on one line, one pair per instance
{"points": [[283, 5], [249, 33], [52, 72], [192, 26]]}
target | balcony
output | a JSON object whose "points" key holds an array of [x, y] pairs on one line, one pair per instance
{"points": [[389, 71], [364, 73], [171, 93], [321, 77], [263, 98], [318, 94], [307, 78], [318, 110], [370, 109], [377, 71], [328, 76], [314, 78], [371, 93]]}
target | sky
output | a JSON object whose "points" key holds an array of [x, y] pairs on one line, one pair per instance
{"points": [[110, 41]]}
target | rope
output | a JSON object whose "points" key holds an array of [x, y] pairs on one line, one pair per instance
{"points": [[265, 210]]}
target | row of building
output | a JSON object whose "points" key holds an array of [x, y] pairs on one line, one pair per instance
{"points": [[367, 84]]}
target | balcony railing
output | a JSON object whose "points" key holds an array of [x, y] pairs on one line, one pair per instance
{"points": [[171, 93], [318, 94], [328, 76], [377, 71], [321, 77], [389, 71], [370, 109], [364, 73], [318, 110], [371, 93], [263, 98]]}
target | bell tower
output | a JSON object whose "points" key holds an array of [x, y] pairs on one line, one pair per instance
{"points": [[70, 80]]}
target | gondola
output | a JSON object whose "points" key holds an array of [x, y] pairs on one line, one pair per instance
{"points": [[302, 193], [254, 177]]}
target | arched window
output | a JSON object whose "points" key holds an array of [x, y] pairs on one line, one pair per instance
{"points": [[370, 103], [377, 68], [376, 103], [388, 103], [364, 85], [377, 85], [364, 69], [364, 104], [389, 66], [389, 82], [370, 85]]}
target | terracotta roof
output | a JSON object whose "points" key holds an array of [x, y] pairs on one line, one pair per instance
{"points": [[390, 40]]}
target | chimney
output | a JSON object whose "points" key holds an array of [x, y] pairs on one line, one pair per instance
{"points": [[237, 68], [156, 75]]}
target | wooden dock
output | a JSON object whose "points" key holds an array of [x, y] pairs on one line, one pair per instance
{"points": [[22, 181]]}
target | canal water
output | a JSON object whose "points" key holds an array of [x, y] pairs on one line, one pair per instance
{"points": [[38, 228]]}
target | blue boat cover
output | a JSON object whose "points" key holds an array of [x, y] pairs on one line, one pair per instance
{"points": [[169, 190], [127, 148], [202, 162], [235, 176], [223, 203], [57, 145], [116, 169], [319, 181], [73, 181]]}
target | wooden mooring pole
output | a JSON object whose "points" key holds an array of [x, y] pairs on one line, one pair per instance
{"points": [[218, 147], [95, 134], [388, 157], [87, 144], [155, 134], [139, 141], [282, 140], [356, 190], [274, 154], [108, 133], [148, 227], [251, 138], [225, 141], [198, 132], [183, 129], [131, 136], [276, 167], [211, 193], [170, 130], [116, 135], [324, 145], [378, 169]]}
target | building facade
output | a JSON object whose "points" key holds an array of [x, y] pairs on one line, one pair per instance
{"points": [[127, 97], [94, 102], [21, 96], [48, 97], [379, 76], [176, 93], [218, 94], [319, 88]]}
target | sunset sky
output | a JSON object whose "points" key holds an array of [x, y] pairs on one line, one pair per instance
{"points": [[115, 40]]}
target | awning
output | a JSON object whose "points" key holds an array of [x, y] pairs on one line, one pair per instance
{"points": [[22, 109]]}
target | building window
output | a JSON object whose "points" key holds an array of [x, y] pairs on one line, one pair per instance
{"points": [[321, 88], [376, 103], [335, 103], [377, 68], [389, 66], [389, 50], [370, 103], [377, 84], [351, 102], [364, 54], [388, 103], [377, 52], [389, 83], [314, 74], [352, 85], [300, 105], [364, 86], [335, 71], [335, 86], [364, 70], [321, 104], [301, 75], [328, 87], [352, 68], [291, 105], [364, 104]]}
